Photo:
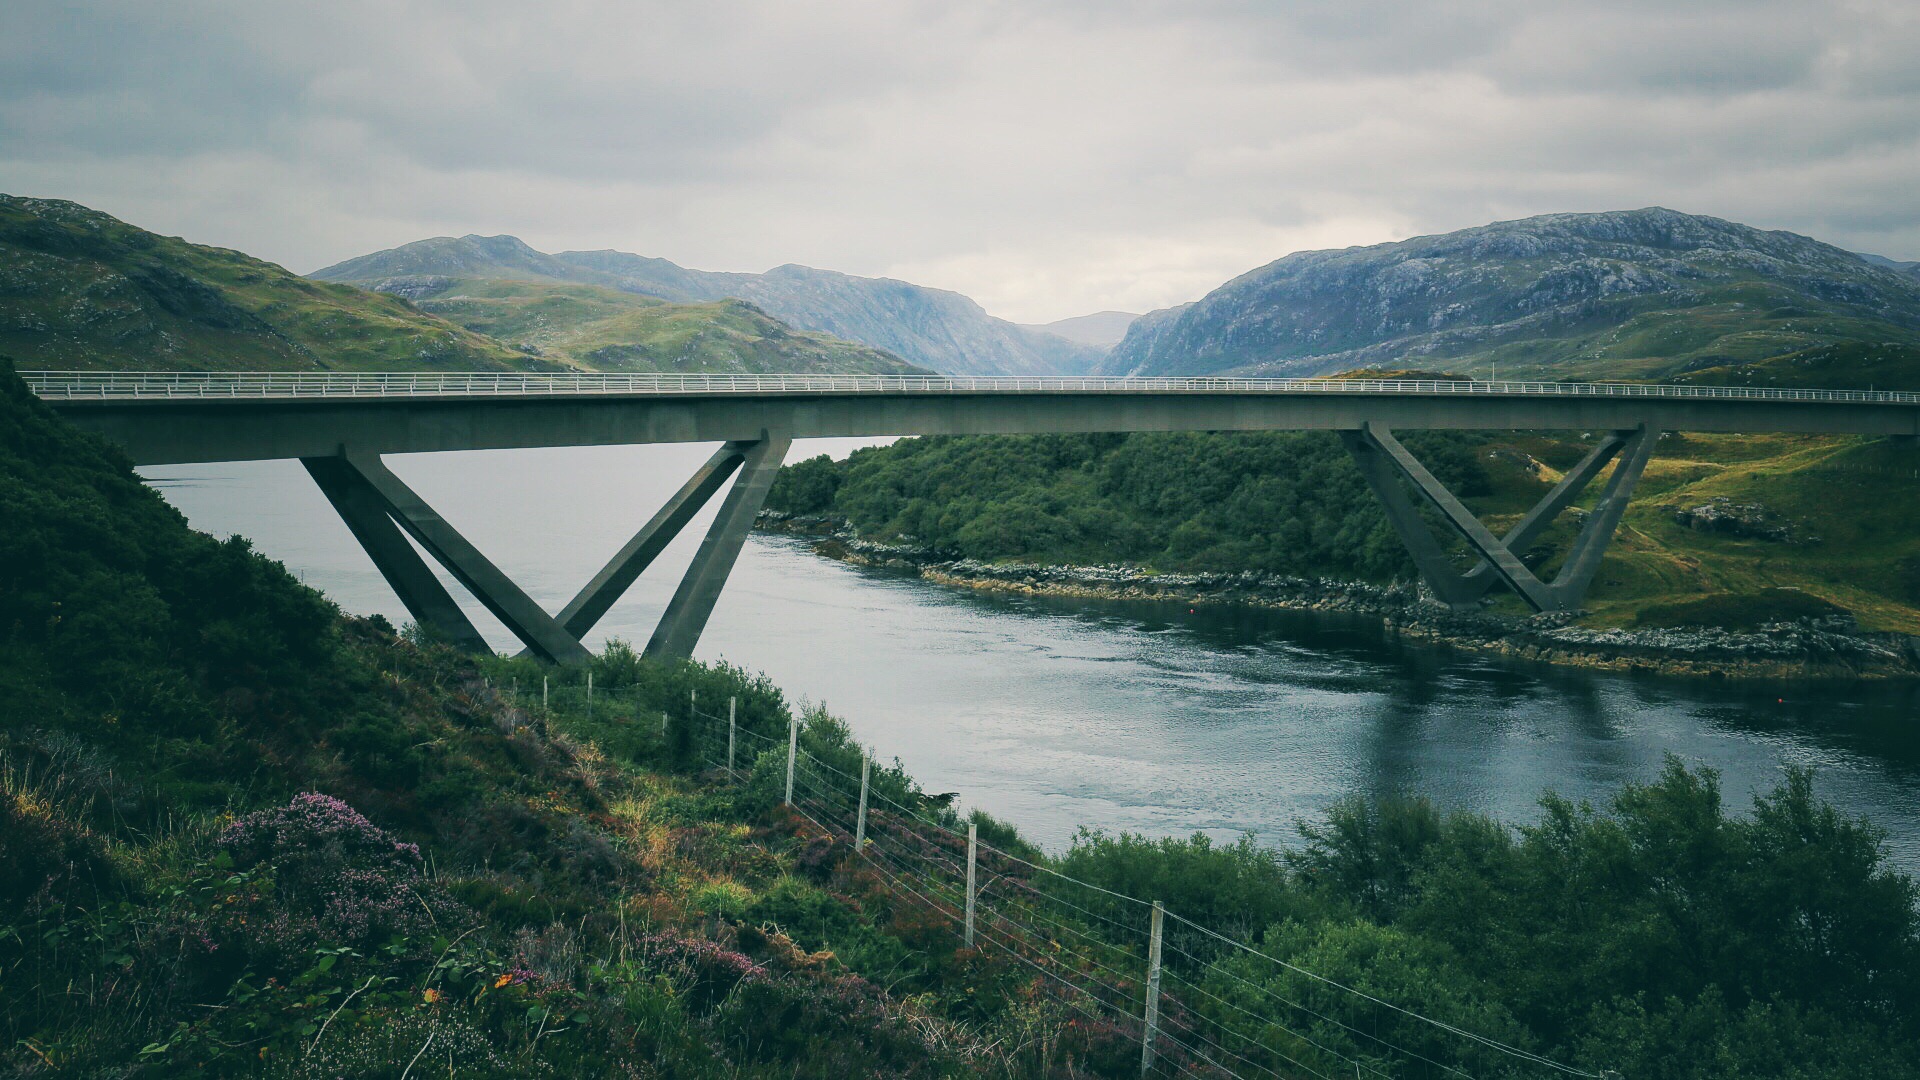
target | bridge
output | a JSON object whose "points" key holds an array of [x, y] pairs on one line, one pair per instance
{"points": [[340, 425]]}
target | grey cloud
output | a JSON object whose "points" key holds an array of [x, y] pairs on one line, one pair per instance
{"points": [[1045, 158]]}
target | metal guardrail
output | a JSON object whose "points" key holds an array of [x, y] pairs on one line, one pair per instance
{"points": [[242, 385]]}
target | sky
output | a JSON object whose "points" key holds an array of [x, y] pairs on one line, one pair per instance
{"points": [[1047, 159]]}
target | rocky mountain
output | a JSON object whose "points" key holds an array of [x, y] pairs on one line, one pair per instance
{"points": [[81, 289], [1102, 329], [933, 328], [1634, 294]]}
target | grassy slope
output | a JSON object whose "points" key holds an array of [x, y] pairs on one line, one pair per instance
{"points": [[80, 289], [608, 330], [1854, 495], [1732, 326]]}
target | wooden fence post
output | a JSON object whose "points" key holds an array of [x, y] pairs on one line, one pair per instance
{"points": [[860, 826], [1153, 991]]}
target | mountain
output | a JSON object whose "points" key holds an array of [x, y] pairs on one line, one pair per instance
{"points": [[933, 328], [1890, 264], [81, 289], [1643, 294], [1102, 329], [604, 329]]}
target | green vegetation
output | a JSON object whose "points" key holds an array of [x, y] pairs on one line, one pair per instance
{"points": [[608, 330], [1292, 503], [83, 290], [241, 834], [1280, 503]]}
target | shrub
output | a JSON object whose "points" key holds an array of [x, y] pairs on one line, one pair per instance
{"points": [[337, 877]]}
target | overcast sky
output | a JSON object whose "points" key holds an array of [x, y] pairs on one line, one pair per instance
{"points": [[1046, 159]]}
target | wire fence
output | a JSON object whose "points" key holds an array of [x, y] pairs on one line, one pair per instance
{"points": [[1128, 975]]}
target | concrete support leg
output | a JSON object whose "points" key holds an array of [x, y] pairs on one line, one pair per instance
{"points": [[473, 570], [1528, 529], [1382, 460], [618, 575], [1583, 561], [1428, 555], [687, 613], [366, 515]]}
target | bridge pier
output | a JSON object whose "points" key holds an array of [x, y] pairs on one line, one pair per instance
{"points": [[377, 505], [1383, 462]]}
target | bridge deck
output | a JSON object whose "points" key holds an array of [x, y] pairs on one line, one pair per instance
{"points": [[293, 386], [174, 417]]}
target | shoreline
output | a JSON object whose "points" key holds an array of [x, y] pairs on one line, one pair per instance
{"points": [[1830, 649]]}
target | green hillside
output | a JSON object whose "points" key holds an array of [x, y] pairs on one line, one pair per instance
{"points": [[243, 835], [82, 290], [1292, 503], [605, 329]]}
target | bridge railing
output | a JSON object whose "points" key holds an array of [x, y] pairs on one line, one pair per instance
{"points": [[179, 385]]}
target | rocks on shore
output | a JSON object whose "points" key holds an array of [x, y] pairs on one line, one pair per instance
{"points": [[1801, 648]]}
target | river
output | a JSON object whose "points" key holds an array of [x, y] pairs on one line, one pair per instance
{"points": [[1058, 714]]}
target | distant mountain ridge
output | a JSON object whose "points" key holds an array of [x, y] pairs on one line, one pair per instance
{"points": [[932, 328], [1649, 293], [1891, 264], [1102, 329]]}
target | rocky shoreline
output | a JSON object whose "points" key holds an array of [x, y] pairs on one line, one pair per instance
{"points": [[1831, 648]]}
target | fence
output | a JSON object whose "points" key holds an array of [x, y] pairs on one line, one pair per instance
{"points": [[1132, 975]]}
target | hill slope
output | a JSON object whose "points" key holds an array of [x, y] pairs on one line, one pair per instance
{"points": [[604, 329], [1637, 294], [81, 289], [932, 328]]}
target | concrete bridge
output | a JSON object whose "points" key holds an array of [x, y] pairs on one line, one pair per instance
{"points": [[340, 426]]}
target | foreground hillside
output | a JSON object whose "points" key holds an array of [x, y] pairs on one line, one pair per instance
{"points": [[241, 834], [1644, 294], [932, 328]]}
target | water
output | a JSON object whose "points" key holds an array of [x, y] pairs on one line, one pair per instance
{"points": [[1142, 716]]}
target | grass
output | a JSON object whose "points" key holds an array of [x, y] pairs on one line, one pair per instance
{"points": [[1850, 498], [83, 290], [608, 330]]}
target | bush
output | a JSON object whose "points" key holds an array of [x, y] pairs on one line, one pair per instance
{"points": [[337, 878]]}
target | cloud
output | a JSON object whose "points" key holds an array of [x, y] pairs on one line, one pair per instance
{"points": [[1047, 159]]}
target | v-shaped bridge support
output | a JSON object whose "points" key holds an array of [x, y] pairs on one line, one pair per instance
{"points": [[377, 506], [1384, 463]]}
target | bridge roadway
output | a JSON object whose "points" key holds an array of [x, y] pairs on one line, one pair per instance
{"points": [[340, 424]]}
